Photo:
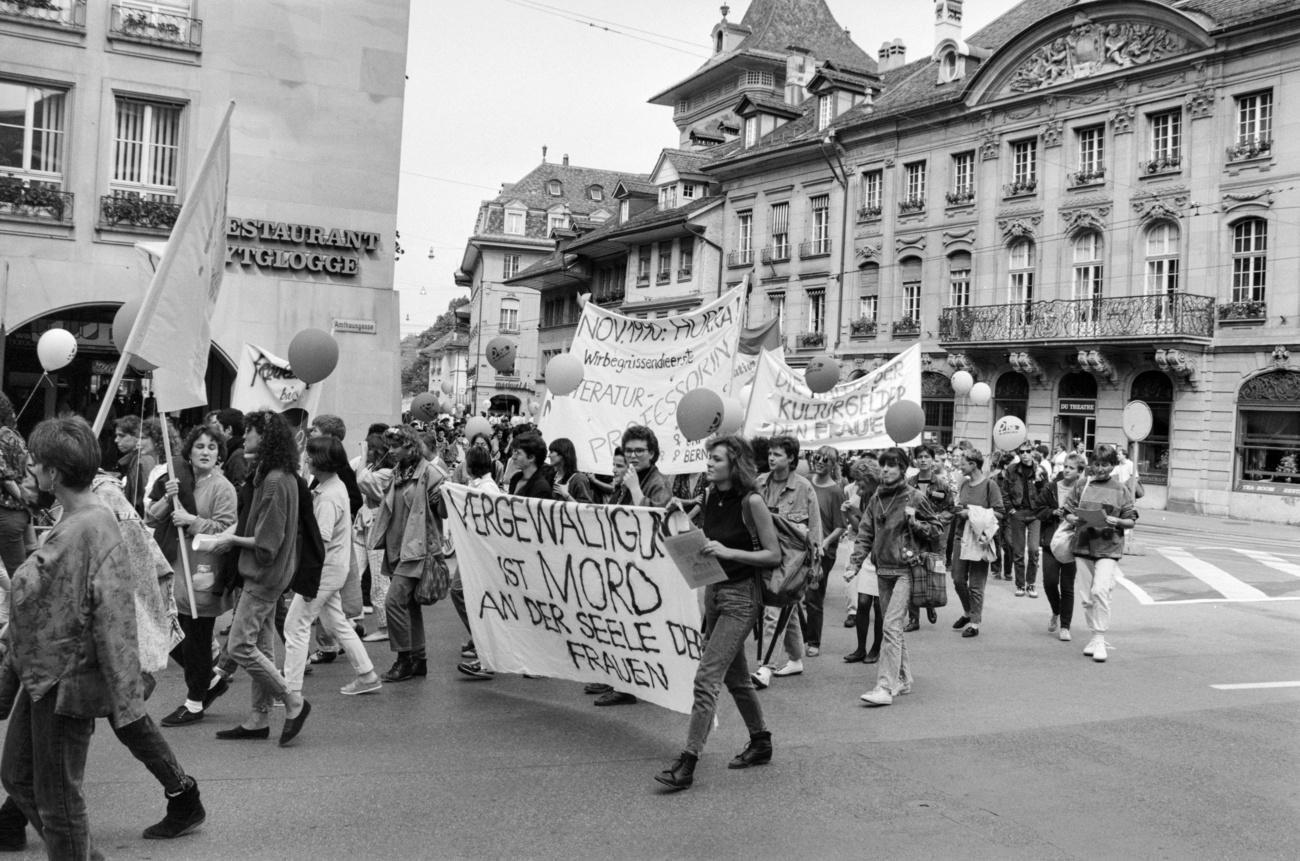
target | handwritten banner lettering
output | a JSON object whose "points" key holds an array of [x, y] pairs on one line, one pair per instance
{"points": [[576, 591], [849, 416], [266, 382], [635, 373]]}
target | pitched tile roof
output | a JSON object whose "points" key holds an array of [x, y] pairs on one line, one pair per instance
{"points": [[776, 25], [686, 161], [533, 189], [653, 217]]}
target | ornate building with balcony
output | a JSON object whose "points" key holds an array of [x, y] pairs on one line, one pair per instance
{"points": [[1082, 204], [520, 228], [106, 109]]}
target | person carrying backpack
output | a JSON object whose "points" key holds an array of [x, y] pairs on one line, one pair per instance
{"points": [[898, 525]]}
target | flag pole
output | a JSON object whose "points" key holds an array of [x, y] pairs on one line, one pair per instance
{"points": [[180, 530]]}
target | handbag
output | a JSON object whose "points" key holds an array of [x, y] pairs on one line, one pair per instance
{"points": [[435, 580], [1062, 544], [930, 581]]}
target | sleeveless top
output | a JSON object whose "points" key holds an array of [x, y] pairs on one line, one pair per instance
{"points": [[723, 521]]}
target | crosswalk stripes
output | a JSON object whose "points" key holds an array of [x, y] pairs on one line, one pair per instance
{"points": [[1211, 574]]}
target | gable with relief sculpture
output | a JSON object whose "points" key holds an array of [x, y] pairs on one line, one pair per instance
{"points": [[1090, 49]]}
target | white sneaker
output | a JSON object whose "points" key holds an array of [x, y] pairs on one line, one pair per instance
{"points": [[1099, 652], [1091, 648], [791, 668], [877, 697], [1054, 624], [904, 688], [377, 637], [762, 678], [1064, 636]]}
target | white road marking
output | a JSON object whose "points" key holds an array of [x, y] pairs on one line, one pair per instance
{"points": [[1138, 591], [1256, 686], [1272, 561], [1239, 550], [1212, 575]]}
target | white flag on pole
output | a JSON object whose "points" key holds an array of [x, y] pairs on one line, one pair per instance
{"points": [[174, 329]]}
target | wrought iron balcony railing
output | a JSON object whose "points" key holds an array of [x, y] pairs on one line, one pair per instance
{"points": [[158, 28], [810, 340], [961, 196], [123, 211], [740, 258], [1161, 164], [862, 328], [906, 328], [1086, 176], [1178, 314], [868, 213], [1248, 311], [663, 276], [1020, 188], [70, 14], [911, 205], [36, 201], [778, 253], [1250, 147], [684, 273], [814, 248]]}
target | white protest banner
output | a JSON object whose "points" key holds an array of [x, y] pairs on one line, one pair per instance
{"points": [[264, 381], [849, 416], [575, 591], [635, 372]]}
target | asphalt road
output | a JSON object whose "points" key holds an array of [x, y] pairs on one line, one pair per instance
{"points": [[1012, 746]]}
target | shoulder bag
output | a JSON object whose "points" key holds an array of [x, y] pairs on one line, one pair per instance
{"points": [[929, 579]]}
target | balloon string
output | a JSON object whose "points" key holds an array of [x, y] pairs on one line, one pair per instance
{"points": [[44, 376]]}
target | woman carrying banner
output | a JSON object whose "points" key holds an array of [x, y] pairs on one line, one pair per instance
{"points": [[201, 501], [731, 607]]}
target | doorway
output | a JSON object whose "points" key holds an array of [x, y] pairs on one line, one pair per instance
{"points": [[1076, 411]]}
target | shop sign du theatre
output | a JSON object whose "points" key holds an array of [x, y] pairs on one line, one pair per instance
{"points": [[328, 250]]}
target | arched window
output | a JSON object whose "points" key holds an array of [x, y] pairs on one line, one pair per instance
{"points": [[936, 400], [959, 279], [1268, 431], [1156, 390], [1088, 277], [1020, 280], [1249, 260], [1011, 396]]}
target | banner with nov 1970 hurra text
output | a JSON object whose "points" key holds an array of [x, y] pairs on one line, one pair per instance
{"points": [[575, 591], [849, 416], [635, 372]]}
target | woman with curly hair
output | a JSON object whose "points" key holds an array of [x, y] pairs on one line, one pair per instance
{"points": [[266, 539], [151, 446], [13, 513]]}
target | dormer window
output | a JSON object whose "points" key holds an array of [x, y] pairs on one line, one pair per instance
{"points": [[667, 197], [557, 221], [688, 191], [751, 131], [949, 66], [825, 110], [515, 219], [555, 188], [595, 192]]}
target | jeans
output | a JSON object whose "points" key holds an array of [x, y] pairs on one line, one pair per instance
{"points": [[1058, 585], [151, 750], [194, 654], [968, 578], [895, 595], [42, 770], [1023, 536], [730, 611], [251, 647], [814, 599], [1096, 579], [405, 617], [793, 637], [297, 631]]}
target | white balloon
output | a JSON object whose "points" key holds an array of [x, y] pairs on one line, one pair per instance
{"points": [[962, 382], [1009, 432], [980, 394], [564, 374], [55, 349]]}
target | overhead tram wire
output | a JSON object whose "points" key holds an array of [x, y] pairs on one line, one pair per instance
{"points": [[692, 42], [618, 30]]}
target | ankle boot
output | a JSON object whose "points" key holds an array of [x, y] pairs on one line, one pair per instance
{"points": [[401, 670], [184, 813], [681, 774], [420, 667], [757, 752], [13, 827]]}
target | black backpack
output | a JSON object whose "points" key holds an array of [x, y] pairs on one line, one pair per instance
{"points": [[311, 547]]}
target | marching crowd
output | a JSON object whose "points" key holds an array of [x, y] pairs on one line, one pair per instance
{"points": [[116, 561]]}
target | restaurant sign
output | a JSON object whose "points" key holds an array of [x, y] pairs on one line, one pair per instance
{"points": [[297, 247]]}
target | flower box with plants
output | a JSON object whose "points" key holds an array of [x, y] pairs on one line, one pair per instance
{"points": [[1020, 187], [33, 199], [810, 340], [863, 327], [1162, 164], [1251, 148], [133, 210], [906, 326], [910, 205], [961, 196]]}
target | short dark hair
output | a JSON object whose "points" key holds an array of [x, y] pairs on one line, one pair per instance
{"points": [[788, 443], [330, 426], [478, 462], [974, 455], [641, 433], [759, 446], [1105, 455], [326, 453], [229, 417], [532, 445], [193, 437], [127, 425], [376, 427], [895, 457], [69, 446]]}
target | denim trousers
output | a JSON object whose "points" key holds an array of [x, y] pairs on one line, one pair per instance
{"points": [[42, 769], [1023, 537], [814, 599], [405, 617], [297, 633], [969, 578], [1058, 585], [252, 648], [892, 671], [730, 611], [147, 745], [1096, 579]]}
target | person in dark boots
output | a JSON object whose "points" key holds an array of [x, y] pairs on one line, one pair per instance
{"points": [[868, 605], [731, 607], [184, 814]]}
